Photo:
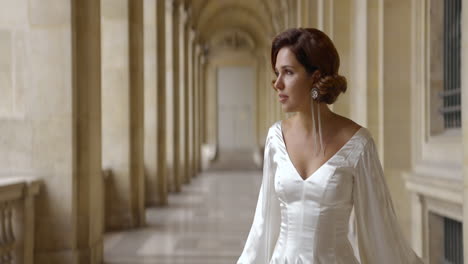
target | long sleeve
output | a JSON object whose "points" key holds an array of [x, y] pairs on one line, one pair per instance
{"points": [[379, 236], [265, 227]]}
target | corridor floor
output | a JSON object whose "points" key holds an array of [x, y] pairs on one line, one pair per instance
{"points": [[206, 223]]}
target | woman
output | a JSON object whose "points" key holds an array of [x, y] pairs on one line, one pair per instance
{"points": [[318, 166]]}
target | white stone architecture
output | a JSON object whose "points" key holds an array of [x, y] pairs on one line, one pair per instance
{"points": [[108, 107]]}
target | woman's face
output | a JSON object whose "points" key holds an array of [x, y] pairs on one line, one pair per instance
{"points": [[293, 83]]}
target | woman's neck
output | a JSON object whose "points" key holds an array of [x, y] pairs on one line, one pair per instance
{"points": [[303, 119]]}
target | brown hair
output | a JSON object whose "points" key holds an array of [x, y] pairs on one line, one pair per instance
{"points": [[315, 51]]}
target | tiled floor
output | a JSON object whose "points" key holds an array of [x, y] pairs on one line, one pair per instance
{"points": [[207, 223]]}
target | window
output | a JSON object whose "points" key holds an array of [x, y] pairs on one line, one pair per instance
{"points": [[451, 96], [445, 63], [453, 241]]}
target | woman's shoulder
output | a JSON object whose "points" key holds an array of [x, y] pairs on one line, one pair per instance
{"points": [[349, 129], [282, 123], [274, 131], [276, 126]]}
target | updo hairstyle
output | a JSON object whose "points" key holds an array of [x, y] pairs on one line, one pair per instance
{"points": [[315, 51]]}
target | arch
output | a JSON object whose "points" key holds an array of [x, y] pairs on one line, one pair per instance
{"points": [[233, 15], [214, 8], [248, 33], [232, 20], [232, 37]]}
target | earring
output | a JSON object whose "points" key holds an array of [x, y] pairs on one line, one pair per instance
{"points": [[314, 93]]}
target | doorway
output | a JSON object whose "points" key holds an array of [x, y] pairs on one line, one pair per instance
{"points": [[236, 117]]}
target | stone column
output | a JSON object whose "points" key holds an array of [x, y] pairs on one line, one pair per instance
{"points": [[194, 113], [266, 91], [190, 144], [161, 61], [87, 206], [342, 14], [271, 101], [50, 122], [464, 94], [301, 9], [396, 158], [266, 99], [358, 58], [276, 106], [199, 108], [320, 14], [182, 94], [329, 5], [200, 122], [311, 13], [212, 105], [176, 96], [196, 106], [203, 102], [186, 98], [137, 175], [169, 109], [375, 66], [150, 102], [270, 76], [121, 114], [358, 39], [261, 109]]}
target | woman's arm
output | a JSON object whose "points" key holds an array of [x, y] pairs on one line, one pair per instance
{"points": [[265, 227], [379, 236]]}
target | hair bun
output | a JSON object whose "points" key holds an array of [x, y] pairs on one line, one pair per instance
{"points": [[330, 87]]}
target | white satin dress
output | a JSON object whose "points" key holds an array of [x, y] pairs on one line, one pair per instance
{"points": [[312, 221]]}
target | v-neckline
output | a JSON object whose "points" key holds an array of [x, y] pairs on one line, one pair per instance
{"points": [[323, 164]]}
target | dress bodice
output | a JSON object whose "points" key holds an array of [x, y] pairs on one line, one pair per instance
{"points": [[315, 211], [308, 221]]}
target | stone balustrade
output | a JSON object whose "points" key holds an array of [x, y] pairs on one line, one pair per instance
{"points": [[17, 219]]}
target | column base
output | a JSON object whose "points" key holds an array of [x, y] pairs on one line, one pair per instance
{"points": [[92, 255]]}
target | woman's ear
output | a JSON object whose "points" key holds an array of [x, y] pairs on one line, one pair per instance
{"points": [[316, 75]]}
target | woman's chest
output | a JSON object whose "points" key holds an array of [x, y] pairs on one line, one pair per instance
{"points": [[330, 184]]}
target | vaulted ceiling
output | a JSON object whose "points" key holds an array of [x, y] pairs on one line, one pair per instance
{"points": [[254, 22]]}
